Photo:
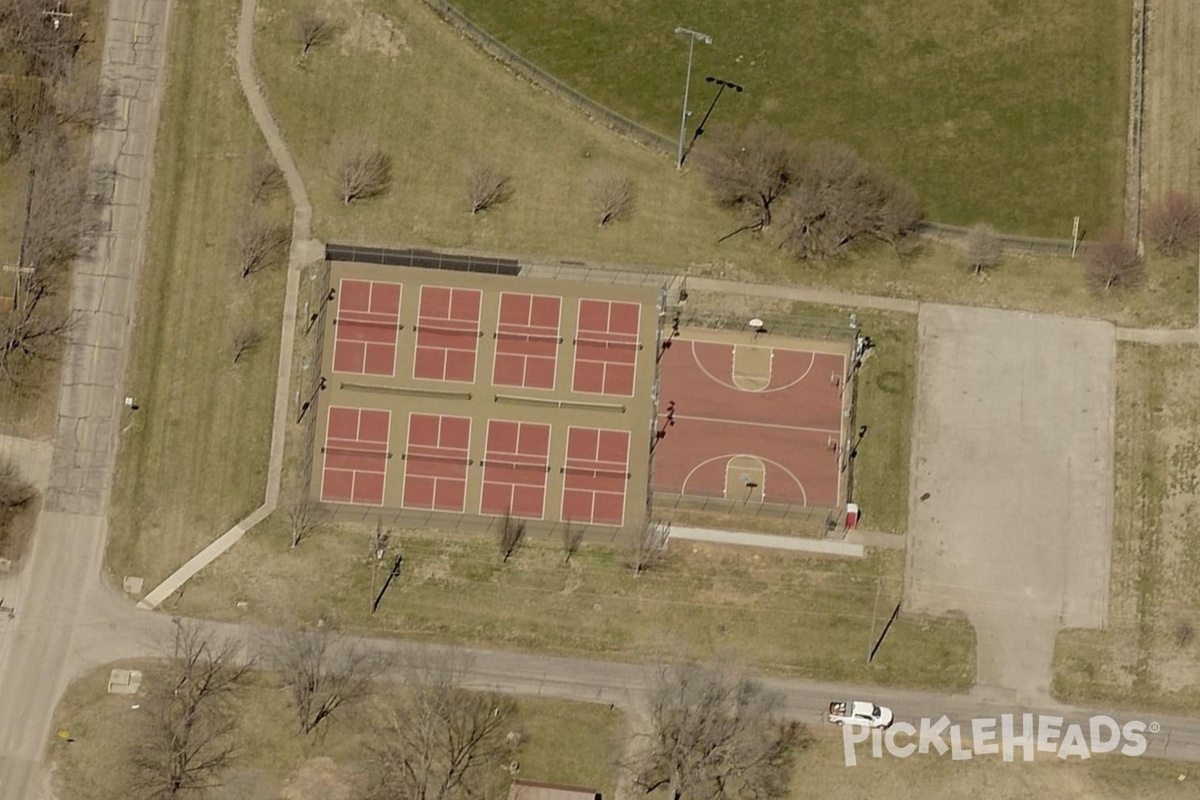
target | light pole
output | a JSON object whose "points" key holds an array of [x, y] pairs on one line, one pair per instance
{"points": [[687, 85]]}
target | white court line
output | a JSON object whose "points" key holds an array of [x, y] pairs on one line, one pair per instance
{"points": [[765, 390], [759, 424], [730, 456]]}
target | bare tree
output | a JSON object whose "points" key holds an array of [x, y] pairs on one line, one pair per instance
{"points": [[363, 169], [64, 218], [1173, 224], [259, 244], [264, 180], [572, 537], [76, 102], [836, 198], [33, 333], [244, 338], [715, 736], [487, 184], [647, 547], [510, 535], [16, 494], [1113, 263], [324, 672], [610, 194], [751, 169], [304, 517], [313, 28], [442, 742], [44, 50], [189, 739], [983, 248]]}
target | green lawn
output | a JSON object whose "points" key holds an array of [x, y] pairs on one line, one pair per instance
{"points": [[1008, 112], [777, 612], [563, 742], [1148, 655], [193, 459]]}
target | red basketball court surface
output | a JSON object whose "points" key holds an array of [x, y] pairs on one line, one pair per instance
{"points": [[750, 422]]}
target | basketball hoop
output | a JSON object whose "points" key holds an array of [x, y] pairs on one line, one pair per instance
{"points": [[757, 325]]}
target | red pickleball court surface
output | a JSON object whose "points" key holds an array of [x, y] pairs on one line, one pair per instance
{"points": [[436, 461], [514, 469], [356, 455], [367, 327], [606, 347], [447, 334], [792, 428], [595, 476], [527, 340]]}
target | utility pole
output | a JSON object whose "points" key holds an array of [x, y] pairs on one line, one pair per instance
{"points": [[693, 36], [57, 16]]}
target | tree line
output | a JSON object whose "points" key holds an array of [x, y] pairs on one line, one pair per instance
{"points": [[49, 105], [711, 733]]}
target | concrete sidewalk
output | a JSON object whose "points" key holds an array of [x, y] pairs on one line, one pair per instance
{"points": [[821, 547]]}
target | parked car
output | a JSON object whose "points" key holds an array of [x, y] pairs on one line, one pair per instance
{"points": [[859, 712]]}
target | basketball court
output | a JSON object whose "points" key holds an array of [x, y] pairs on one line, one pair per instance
{"points": [[751, 418], [452, 394]]}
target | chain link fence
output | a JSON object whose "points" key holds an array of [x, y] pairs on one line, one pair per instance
{"points": [[532, 72]]}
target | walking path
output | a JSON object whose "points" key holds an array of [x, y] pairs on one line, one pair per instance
{"points": [[824, 547], [303, 252]]}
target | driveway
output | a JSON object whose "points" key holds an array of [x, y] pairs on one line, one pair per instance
{"points": [[1013, 443]]}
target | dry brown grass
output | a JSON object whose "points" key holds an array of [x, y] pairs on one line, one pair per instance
{"points": [[821, 773], [448, 101], [779, 612], [1145, 656], [1172, 127], [193, 459], [564, 742]]}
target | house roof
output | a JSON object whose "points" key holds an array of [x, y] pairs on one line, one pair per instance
{"points": [[534, 790]]}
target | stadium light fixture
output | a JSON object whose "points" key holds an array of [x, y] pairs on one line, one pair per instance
{"points": [[693, 37]]}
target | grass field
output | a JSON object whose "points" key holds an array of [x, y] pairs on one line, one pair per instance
{"points": [[1148, 656], [194, 459], [574, 743], [431, 99], [1012, 113], [777, 612]]}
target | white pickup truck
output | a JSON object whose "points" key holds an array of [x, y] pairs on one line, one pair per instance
{"points": [[858, 712]]}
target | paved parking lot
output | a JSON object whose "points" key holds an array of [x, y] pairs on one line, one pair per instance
{"points": [[1013, 443]]}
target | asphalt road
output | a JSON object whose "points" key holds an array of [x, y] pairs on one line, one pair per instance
{"points": [[39, 646]]}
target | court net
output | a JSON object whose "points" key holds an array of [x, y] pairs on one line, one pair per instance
{"points": [[594, 472]]}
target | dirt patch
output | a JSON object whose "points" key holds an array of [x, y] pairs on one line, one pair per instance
{"points": [[318, 779], [365, 30]]}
